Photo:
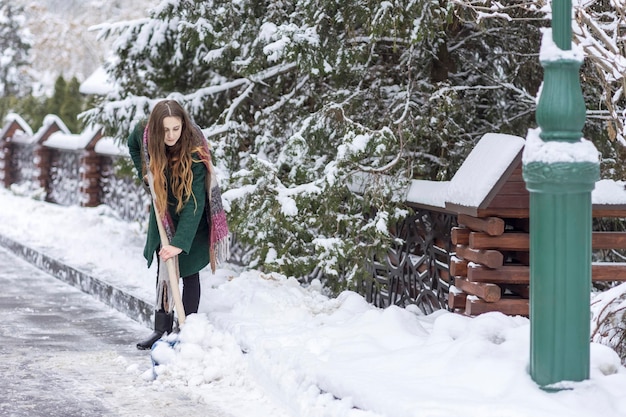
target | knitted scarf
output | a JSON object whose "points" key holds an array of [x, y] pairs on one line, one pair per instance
{"points": [[219, 244]]}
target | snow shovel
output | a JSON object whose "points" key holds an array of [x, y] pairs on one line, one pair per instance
{"points": [[172, 270]]}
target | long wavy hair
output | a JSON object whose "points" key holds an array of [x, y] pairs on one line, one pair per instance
{"points": [[172, 161]]}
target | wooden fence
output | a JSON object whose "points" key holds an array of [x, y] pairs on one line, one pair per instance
{"points": [[69, 169]]}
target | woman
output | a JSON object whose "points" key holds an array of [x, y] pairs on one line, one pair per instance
{"points": [[188, 201]]}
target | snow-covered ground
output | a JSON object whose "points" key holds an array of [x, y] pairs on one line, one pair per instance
{"points": [[301, 353]]}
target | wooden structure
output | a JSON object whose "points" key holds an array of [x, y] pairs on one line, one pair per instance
{"points": [[489, 238], [16, 127], [69, 169]]}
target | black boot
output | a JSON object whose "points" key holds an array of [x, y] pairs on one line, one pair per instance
{"points": [[163, 323]]}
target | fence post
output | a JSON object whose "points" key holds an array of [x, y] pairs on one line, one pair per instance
{"points": [[90, 172], [90, 175], [7, 167], [6, 162], [42, 158]]}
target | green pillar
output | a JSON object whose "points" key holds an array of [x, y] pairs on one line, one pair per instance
{"points": [[560, 220], [560, 269]]}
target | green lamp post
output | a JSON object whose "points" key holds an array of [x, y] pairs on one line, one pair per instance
{"points": [[560, 169]]}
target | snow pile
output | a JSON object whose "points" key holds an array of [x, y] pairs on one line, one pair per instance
{"points": [[341, 356]]}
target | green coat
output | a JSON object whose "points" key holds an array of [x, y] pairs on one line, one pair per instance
{"points": [[192, 227]]}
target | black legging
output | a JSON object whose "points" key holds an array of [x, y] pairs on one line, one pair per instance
{"points": [[191, 293]]}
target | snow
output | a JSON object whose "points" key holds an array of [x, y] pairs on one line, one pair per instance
{"points": [[48, 121], [97, 83], [476, 177], [549, 51], [13, 117], [492, 156], [482, 168], [550, 152], [430, 193], [299, 352], [609, 192], [62, 140], [109, 146]]}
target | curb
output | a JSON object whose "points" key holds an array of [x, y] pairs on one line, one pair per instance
{"points": [[133, 307]]}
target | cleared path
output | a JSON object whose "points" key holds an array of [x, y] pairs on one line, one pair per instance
{"points": [[64, 354]]}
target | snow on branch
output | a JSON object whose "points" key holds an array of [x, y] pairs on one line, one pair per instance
{"points": [[196, 100], [600, 33], [113, 28], [496, 10]]}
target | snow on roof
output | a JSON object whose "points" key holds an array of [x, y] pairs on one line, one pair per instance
{"points": [[492, 156], [53, 118], [609, 192], [25, 128], [430, 193], [435, 193], [47, 122], [97, 83], [476, 177], [62, 140], [482, 169], [109, 146]]}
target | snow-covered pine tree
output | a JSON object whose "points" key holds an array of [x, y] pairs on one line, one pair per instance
{"points": [[14, 44], [72, 106], [320, 111], [55, 102]]}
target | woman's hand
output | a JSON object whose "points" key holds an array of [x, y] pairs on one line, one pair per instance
{"points": [[169, 251]]}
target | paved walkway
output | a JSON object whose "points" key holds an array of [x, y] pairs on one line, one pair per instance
{"points": [[62, 353]]}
